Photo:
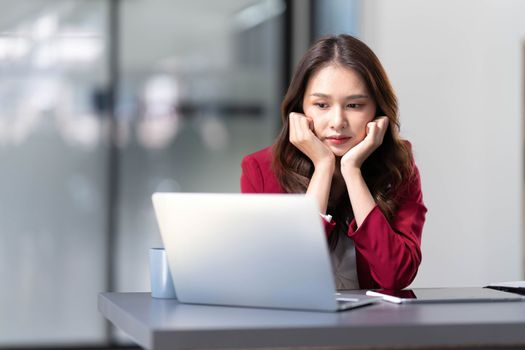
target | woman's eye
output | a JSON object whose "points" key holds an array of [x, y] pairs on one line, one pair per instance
{"points": [[353, 105], [321, 105]]}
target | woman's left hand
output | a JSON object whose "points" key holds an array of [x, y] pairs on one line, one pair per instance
{"points": [[375, 132]]}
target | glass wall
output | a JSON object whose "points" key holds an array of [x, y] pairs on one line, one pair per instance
{"points": [[200, 86], [53, 146]]}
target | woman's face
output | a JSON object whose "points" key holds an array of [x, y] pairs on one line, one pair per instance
{"points": [[337, 100]]}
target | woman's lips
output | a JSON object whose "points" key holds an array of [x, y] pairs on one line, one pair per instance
{"points": [[338, 140]]}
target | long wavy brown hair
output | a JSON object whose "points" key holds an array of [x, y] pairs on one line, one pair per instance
{"points": [[387, 168]]}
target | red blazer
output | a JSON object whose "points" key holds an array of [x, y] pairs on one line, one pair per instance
{"points": [[387, 254]]}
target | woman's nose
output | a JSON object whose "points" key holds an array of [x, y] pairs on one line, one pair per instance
{"points": [[338, 119]]}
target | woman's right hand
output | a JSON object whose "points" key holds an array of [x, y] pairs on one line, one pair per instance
{"points": [[303, 137]]}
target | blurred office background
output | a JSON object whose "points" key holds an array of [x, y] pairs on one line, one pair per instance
{"points": [[103, 102]]}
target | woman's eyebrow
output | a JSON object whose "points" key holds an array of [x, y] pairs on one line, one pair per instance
{"points": [[349, 97], [318, 94], [357, 96]]}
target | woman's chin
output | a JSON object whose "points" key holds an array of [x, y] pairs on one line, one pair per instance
{"points": [[339, 152]]}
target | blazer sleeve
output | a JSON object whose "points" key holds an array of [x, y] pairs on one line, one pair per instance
{"points": [[251, 176], [393, 250]]}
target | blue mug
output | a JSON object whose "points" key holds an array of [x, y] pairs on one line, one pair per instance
{"points": [[160, 276]]}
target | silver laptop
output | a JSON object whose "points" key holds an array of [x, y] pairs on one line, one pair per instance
{"points": [[258, 250]]}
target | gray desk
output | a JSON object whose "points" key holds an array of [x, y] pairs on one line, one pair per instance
{"points": [[165, 324]]}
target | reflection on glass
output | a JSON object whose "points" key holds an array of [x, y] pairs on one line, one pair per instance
{"points": [[159, 121]]}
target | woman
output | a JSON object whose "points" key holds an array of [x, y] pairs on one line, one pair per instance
{"points": [[340, 144]]}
